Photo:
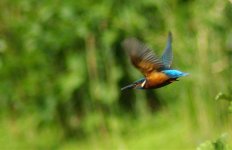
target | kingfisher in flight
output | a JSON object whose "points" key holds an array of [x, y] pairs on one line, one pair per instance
{"points": [[157, 71]]}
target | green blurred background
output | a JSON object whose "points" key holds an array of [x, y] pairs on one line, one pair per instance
{"points": [[62, 67]]}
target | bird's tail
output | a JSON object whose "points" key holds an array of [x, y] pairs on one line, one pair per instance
{"points": [[185, 74], [131, 86]]}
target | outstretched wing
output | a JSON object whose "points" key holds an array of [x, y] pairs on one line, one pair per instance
{"points": [[167, 54], [142, 57]]}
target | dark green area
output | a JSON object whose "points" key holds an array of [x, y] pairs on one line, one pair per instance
{"points": [[62, 67]]}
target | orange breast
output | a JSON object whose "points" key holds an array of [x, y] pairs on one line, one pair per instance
{"points": [[156, 79]]}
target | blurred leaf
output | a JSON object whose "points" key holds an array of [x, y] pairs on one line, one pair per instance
{"points": [[223, 97], [75, 76], [218, 144]]}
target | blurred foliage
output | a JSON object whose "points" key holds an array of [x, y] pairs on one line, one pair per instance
{"points": [[218, 144], [227, 97], [62, 66]]}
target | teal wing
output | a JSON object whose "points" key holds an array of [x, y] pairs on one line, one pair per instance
{"points": [[167, 54], [142, 57]]}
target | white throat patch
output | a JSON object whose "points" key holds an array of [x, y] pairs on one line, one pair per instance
{"points": [[144, 82]]}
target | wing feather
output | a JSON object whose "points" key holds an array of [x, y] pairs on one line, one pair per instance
{"points": [[167, 54], [142, 57]]}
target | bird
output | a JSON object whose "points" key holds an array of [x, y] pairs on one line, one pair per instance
{"points": [[157, 71]]}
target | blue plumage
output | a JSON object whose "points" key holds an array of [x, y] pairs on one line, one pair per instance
{"points": [[174, 73]]}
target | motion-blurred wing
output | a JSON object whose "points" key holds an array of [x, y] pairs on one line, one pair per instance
{"points": [[167, 54], [142, 57]]}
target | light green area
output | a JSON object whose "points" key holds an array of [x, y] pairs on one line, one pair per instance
{"points": [[62, 67]]}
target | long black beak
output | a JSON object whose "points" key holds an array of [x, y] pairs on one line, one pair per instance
{"points": [[131, 86]]}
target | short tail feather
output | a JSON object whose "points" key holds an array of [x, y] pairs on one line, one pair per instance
{"points": [[185, 74]]}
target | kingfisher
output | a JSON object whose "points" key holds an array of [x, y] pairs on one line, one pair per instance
{"points": [[157, 71]]}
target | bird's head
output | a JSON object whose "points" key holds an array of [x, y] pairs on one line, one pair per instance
{"points": [[136, 85], [139, 84]]}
